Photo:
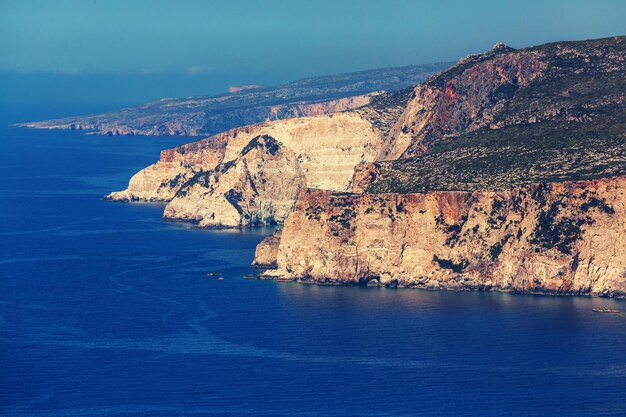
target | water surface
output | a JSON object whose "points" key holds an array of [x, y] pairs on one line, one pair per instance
{"points": [[107, 311]]}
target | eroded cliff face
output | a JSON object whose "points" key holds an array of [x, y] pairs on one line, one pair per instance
{"points": [[504, 87], [161, 180], [316, 152], [462, 99], [558, 238], [267, 250], [327, 147], [257, 187]]}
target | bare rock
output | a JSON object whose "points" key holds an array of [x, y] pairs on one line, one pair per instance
{"points": [[266, 251], [559, 238]]}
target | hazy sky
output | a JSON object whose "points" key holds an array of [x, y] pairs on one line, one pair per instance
{"points": [[271, 41]]}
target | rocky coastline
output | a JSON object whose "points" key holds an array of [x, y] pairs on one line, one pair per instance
{"points": [[554, 238], [505, 172]]}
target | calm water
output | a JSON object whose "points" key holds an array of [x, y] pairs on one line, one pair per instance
{"points": [[107, 311]]}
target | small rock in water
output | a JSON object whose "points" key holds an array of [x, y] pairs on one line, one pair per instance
{"points": [[606, 310]]}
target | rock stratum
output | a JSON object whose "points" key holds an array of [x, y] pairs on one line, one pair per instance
{"points": [[244, 105], [557, 238], [251, 175]]}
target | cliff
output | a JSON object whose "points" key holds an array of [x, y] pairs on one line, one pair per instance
{"points": [[556, 238], [266, 251], [317, 152], [161, 180], [504, 87], [204, 116], [257, 187], [505, 172]]}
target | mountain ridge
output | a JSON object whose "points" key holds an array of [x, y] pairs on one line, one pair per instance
{"points": [[517, 101], [208, 115]]}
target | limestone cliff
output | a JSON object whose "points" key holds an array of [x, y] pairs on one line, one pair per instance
{"points": [[557, 238], [161, 180], [317, 152], [266, 251], [506, 172], [257, 187]]}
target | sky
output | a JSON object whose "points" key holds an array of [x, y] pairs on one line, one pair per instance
{"points": [[133, 51]]}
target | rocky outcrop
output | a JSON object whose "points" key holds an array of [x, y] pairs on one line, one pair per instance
{"points": [[557, 238], [161, 180], [257, 187], [266, 251]]}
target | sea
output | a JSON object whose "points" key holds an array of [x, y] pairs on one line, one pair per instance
{"points": [[107, 310]]}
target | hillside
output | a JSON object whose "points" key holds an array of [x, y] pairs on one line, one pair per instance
{"points": [[204, 116], [513, 156], [554, 112]]}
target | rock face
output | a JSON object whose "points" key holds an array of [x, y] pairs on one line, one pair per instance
{"points": [[204, 116], [316, 152], [557, 238], [257, 187], [506, 87], [266, 251], [161, 180]]}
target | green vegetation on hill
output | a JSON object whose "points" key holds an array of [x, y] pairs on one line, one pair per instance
{"points": [[569, 123], [505, 158], [384, 110]]}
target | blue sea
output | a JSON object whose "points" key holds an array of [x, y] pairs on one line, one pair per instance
{"points": [[106, 310]]}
